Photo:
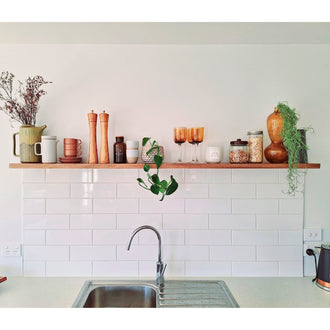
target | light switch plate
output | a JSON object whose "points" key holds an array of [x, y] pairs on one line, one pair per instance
{"points": [[312, 234], [11, 250]]}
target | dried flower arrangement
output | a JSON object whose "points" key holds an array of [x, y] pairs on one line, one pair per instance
{"points": [[25, 108]]}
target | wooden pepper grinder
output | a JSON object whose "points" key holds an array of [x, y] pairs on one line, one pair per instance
{"points": [[104, 153], [92, 157]]}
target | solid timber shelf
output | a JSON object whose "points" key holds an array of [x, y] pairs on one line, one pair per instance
{"points": [[164, 165]]}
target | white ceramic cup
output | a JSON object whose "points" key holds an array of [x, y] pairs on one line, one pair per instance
{"points": [[132, 156], [212, 155], [48, 146], [132, 144]]}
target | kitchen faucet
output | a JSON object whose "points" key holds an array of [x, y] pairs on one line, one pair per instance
{"points": [[160, 265]]}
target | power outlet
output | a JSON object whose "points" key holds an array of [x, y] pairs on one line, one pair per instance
{"points": [[312, 245], [312, 234], [11, 250]]}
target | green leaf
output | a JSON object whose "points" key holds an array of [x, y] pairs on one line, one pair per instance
{"points": [[146, 168], [150, 150], [154, 189], [145, 141], [155, 178], [158, 160], [172, 187], [164, 184]]}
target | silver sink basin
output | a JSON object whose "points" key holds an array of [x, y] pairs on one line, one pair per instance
{"points": [[147, 294], [122, 296]]}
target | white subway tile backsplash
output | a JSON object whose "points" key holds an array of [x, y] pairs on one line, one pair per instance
{"points": [[277, 190], [291, 268], [115, 175], [233, 253], [69, 175], [287, 221], [213, 205], [247, 268], [185, 221], [110, 237], [46, 221], [67, 206], [165, 174], [279, 253], [290, 237], [208, 268], [254, 176], [291, 206], [228, 190], [93, 221], [92, 252], [68, 237], [137, 252], [115, 268], [207, 176], [115, 205], [186, 252], [34, 237], [207, 237], [34, 175], [68, 268], [45, 190], [254, 237], [132, 221], [218, 223], [34, 206], [93, 190], [232, 221], [166, 206], [46, 252], [169, 237], [34, 268], [255, 206]]}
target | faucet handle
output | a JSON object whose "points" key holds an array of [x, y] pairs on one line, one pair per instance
{"points": [[163, 270]]}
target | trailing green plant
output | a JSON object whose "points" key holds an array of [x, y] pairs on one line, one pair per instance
{"points": [[293, 142], [156, 185]]}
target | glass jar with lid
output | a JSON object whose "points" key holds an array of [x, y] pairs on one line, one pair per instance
{"points": [[255, 143], [238, 152]]}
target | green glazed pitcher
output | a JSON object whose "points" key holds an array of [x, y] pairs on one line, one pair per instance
{"points": [[28, 136]]}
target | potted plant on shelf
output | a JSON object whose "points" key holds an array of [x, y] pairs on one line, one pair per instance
{"points": [[294, 141], [23, 108], [155, 185]]}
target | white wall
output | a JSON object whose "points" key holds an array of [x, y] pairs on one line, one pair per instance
{"points": [[149, 89]]}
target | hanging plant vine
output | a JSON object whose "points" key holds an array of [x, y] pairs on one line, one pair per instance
{"points": [[294, 143]]}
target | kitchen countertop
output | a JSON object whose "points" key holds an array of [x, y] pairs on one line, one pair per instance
{"points": [[248, 291]]}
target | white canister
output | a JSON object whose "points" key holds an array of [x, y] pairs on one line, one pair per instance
{"points": [[48, 146], [132, 151], [212, 155]]}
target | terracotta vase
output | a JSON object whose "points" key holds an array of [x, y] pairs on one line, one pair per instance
{"points": [[275, 152], [28, 136]]}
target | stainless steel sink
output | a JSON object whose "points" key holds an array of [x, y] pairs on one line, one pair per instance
{"points": [[147, 294]]}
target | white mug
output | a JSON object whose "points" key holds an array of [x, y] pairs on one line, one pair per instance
{"points": [[48, 146], [132, 156]]}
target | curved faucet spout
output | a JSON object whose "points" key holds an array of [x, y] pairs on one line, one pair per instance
{"points": [[160, 266], [158, 236]]}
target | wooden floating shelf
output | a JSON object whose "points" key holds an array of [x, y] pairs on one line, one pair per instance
{"points": [[164, 165]]}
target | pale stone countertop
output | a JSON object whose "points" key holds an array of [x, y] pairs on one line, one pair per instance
{"points": [[258, 292]]}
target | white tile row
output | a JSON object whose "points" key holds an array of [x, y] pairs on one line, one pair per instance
{"points": [[177, 268]]}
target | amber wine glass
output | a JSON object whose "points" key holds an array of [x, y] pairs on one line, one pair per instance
{"points": [[191, 141], [197, 134], [180, 136]]}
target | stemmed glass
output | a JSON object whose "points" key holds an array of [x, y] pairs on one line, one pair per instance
{"points": [[180, 136], [191, 141], [197, 134]]}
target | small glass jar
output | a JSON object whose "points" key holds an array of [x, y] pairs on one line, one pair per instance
{"points": [[255, 143], [238, 152], [119, 150]]}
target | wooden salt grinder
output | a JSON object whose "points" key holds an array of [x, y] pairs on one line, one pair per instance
{"points": [[92, 157], [104, 153]]}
